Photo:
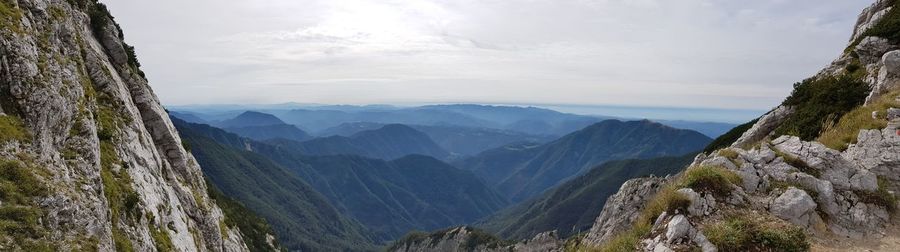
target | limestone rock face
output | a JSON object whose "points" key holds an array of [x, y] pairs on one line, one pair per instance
{"points": [[700, 205], [841, 180], [842, 173], [622, 209], [869, 17], [887, 77], [764, 126], [795, 206], [878, 151], [112, 160], [871, 49]]}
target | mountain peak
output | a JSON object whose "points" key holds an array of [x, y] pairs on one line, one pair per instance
{"points": [[252, 118]]}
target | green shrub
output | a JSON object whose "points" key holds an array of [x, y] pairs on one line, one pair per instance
{"points": [[666, 199], [625, 242], [11, 128], [819, 102], [120, 196], [107, 123], [748, 232], [161, 239], [19, 183], [710, 179], [186, 145], [253, 228], [19, 214], [100, 20], [731, 155], [120, 240], [10, 17]]}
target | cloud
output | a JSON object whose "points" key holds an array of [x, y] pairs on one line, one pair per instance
{"points": [[691, 53]]}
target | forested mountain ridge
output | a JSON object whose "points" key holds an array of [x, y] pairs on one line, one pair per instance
{"points": [[388, 197], [572, 207], [301, 215], [525, 170], [387, 142]]}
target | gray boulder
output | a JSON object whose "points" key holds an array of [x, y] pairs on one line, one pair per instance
{"points": [[794, 206], [763, 127], [700, 205], [679, 227]]}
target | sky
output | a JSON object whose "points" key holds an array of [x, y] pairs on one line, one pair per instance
{"points": [[699, 54]]}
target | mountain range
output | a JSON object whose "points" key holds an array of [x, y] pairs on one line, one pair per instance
{"points": [[302, 216], [322, 120], [389, 198], [387, 142], [459, 141], [524, 170]]}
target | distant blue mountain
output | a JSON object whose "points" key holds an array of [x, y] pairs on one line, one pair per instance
{"points": [[188, 117], [251, 118], [458, 140], [256, 125], [710, 129], [341, 119], [388, 142]]}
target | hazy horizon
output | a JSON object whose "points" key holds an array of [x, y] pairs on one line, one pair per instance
{"points": [[730, 116], [708, 54]]}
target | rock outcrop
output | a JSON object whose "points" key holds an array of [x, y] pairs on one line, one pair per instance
{"points": [[115, 171], [785, 181], [468, 239], [676, 233], [764, 127], [622, 209]]}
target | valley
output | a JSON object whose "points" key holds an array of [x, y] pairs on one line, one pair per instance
{"points": [[370, 183]]}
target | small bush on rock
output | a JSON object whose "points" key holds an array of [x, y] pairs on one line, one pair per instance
{"points": [[11, 128], [710, 179], [731, 155], [750, 232]]}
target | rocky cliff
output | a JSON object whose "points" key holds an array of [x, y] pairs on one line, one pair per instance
{"points": [[782, 186], [89, 159]]}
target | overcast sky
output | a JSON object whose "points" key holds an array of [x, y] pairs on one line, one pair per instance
{"points": [[730, 54]]}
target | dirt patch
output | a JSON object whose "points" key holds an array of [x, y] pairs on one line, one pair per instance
{"points": [[889, 242]]}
